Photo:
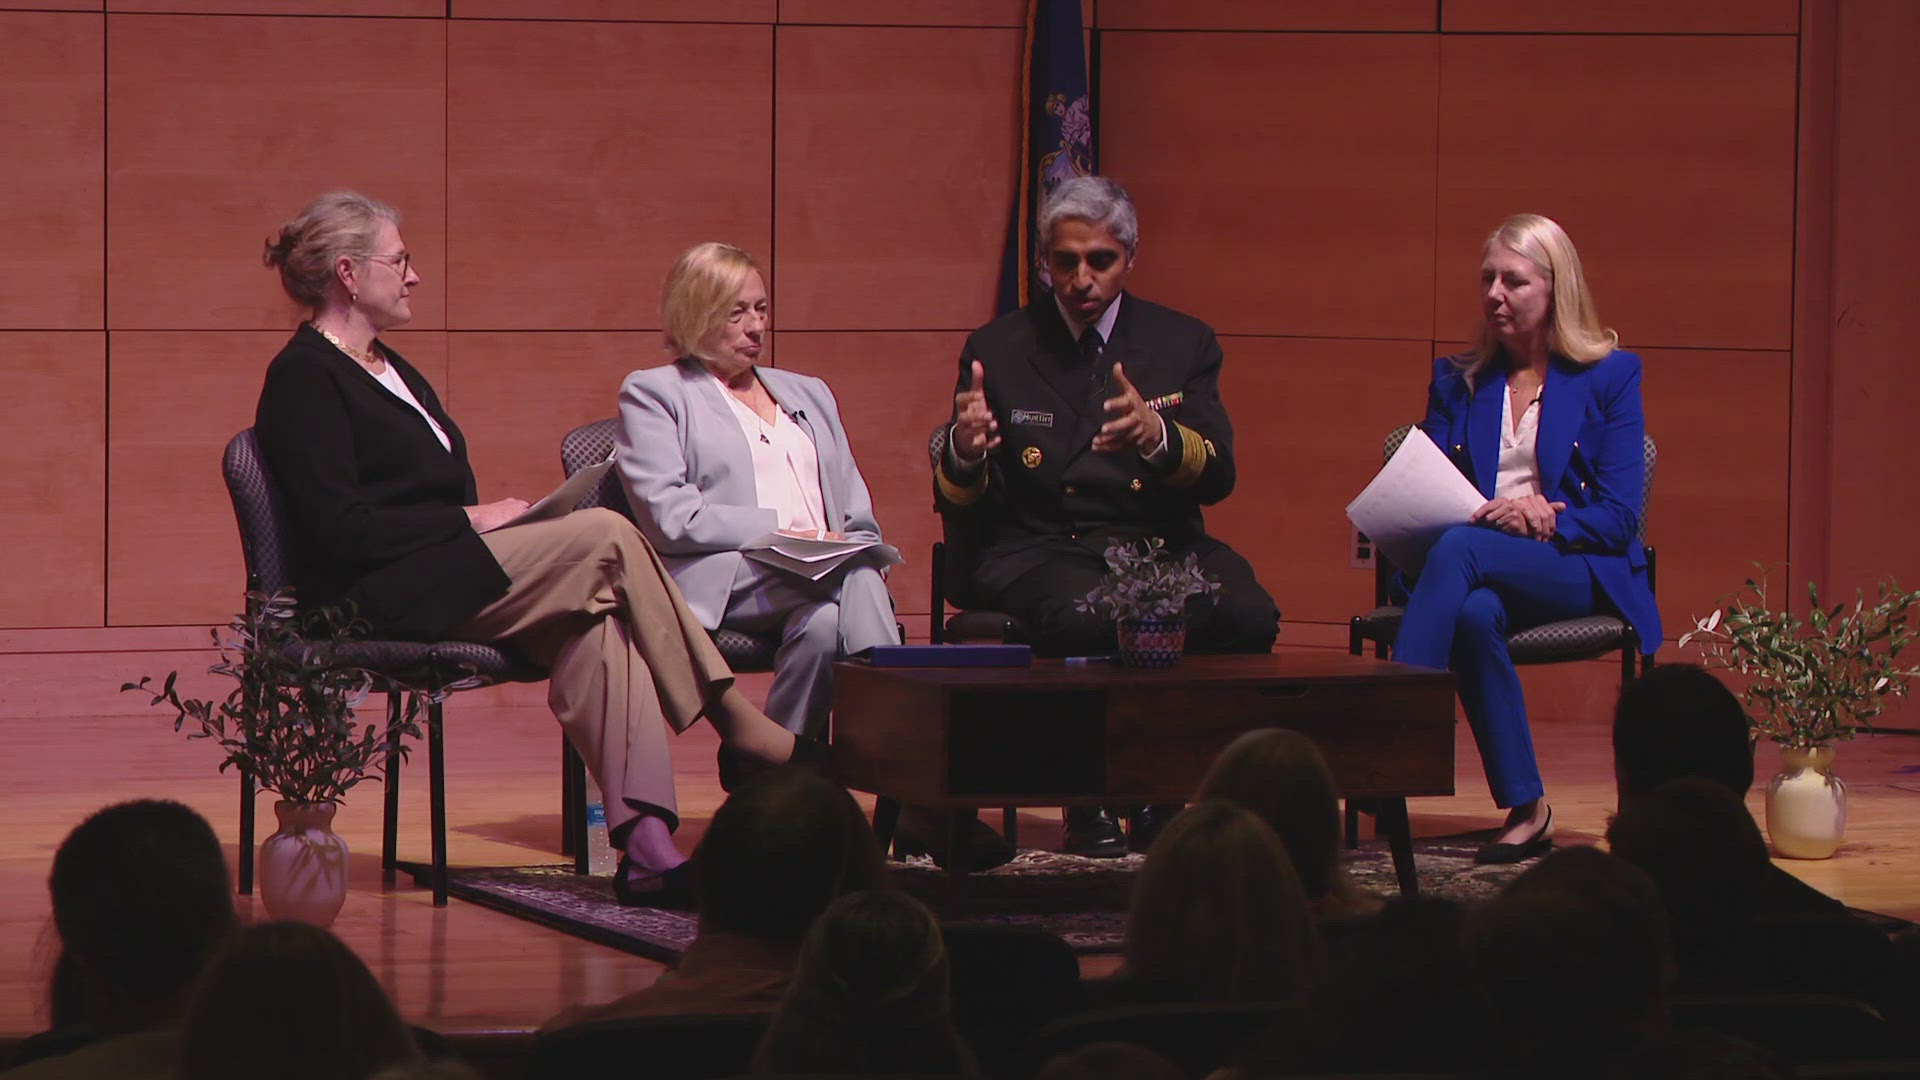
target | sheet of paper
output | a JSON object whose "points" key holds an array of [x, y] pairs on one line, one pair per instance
{"points": [[561, 501], [1415, 498], [815, 559]]}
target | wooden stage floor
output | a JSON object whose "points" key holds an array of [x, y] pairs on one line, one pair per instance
{"points": [[74, 744]]}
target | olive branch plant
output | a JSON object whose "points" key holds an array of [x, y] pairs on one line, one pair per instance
{"points": [[289, 719], [1815, 680]]}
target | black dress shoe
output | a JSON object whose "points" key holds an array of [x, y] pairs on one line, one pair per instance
{"points": [[924, 831], [1093, 832], [1537, 844], [1145, 822], [737, 767], [676, 892]]}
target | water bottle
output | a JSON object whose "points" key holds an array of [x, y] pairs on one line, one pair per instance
{"points": [[601, 859]]}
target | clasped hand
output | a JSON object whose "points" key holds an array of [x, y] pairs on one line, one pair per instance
{"points": [[1530, 516]]}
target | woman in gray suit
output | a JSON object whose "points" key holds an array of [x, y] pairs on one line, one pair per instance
{"points": [[718, 451]]}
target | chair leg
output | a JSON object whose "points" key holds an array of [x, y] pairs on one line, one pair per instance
{"points": [[246, 832], [1627, 664], [886, 816], [1356, 642], [576, 845], [1353, 824], [437, 781], [572, 800], [390, 826], [1010, 826], [1390, 817]]}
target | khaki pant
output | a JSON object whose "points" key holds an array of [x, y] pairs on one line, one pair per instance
{"points": [[591, 602]]}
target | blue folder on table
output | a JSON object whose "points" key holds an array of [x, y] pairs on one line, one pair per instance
{"points": [[948, 655]]}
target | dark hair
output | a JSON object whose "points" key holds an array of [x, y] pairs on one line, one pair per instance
{"points": [[1575, 946], [870, 994], [140, 897], [779, 851], [1279, 775], [289, 1000], [1678, 720], [1218, 913], [1697, 842]]}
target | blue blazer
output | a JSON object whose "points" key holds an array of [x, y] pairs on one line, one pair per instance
{"points": [[1591, 457]]}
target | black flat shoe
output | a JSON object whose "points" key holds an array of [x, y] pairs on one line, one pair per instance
{"points": [[737, 767], [1093, 832], [676, 892], [1533, 846]]}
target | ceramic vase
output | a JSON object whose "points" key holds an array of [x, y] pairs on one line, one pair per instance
{"points": [[1152, 642], [303, 865], [1806, 804]]}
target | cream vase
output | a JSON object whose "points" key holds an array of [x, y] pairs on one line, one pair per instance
{"points": [[1806, 804], [303, 866]]}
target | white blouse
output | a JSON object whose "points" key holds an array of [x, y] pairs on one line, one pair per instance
{"points": [[786, 468], [390, 378], [1519, 465]]}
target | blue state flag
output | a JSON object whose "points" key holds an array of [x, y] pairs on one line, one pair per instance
{"points": [[1056, 102]]}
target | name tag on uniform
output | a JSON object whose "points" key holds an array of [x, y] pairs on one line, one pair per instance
{"points": [[1031, 418]]}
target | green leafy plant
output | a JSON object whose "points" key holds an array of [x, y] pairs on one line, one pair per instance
{"points": [[290, 716], [1141, 583], [1815, 680]]}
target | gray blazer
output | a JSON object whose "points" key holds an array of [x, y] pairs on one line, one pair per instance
{"points": [[689, 473]]}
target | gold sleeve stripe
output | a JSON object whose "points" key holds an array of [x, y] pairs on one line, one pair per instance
{"points": [[957, 494], [1193, 458]]}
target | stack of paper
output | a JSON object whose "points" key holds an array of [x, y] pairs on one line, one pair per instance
{"points": [[815, 559], [561, 501], [1416, 497]]}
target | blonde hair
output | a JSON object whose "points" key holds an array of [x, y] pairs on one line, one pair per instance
{"points": [[699, 293], [1218, 913], [1573, 328], [335, 224]]}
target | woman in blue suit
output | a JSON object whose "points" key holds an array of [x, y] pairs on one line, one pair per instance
{"points": [[1543, 415]]}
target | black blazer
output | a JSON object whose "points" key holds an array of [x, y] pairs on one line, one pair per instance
{"points": [[1045, 482], [373, 500]]}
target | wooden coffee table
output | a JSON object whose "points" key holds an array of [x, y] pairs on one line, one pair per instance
{"points": [[1059, 734]]}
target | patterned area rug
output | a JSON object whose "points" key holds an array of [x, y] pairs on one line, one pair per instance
{"points": [[1082, 900]]}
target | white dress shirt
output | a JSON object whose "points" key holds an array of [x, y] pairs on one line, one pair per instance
{"points": [[390, 378]]}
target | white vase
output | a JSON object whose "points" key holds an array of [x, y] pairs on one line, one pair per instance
{"points": [[1806, 804], [303, 866]]}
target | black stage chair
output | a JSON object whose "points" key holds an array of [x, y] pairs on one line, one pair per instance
{"points": [[434, 669]]}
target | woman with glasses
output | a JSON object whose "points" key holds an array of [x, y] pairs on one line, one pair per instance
{"points": [[385, 516]]}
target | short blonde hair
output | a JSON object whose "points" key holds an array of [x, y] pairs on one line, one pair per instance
{"points": [[1573, 329], [305, 248], [699, 293]]}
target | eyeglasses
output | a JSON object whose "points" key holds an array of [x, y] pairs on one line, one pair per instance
{"points": [[401, 263]]}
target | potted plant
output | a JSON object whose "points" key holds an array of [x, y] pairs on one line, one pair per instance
{"points": [[1146, 592], [1810, 683], [289, 721]]}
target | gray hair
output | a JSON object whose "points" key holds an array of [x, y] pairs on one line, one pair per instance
{"points": [[335, 224], [1096, 200]]}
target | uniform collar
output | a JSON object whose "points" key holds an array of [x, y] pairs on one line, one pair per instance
{"points": [[1104, 323]]}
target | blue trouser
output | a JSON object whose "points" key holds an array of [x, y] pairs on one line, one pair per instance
{"points": [[1478, 585]]}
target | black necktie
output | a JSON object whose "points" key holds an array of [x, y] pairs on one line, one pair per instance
{"points": [[1092, 348]]}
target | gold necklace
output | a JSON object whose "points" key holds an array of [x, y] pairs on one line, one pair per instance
{"points": [[369, 359]]}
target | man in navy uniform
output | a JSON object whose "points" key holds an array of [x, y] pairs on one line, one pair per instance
{"points": [[1089, 416]]}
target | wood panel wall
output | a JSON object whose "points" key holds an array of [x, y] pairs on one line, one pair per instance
{"points": [[1313, 179]]}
